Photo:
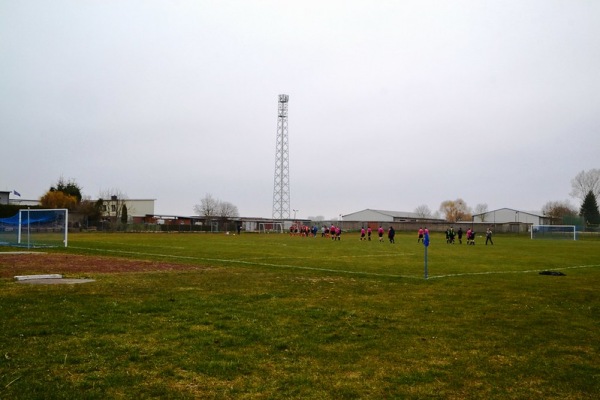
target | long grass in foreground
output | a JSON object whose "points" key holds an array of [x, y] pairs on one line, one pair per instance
{"points": [[281, 317]]}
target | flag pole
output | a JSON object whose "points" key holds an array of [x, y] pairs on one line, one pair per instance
{"points": [[426, 245], [426, 263]]}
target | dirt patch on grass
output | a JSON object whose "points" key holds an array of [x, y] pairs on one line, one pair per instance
{"points": [[77, 265]]}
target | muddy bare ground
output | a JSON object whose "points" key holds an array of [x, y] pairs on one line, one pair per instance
{"points": [[70, 265]]}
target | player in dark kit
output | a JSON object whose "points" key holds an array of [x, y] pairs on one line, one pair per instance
{"points": [[391, 234]]}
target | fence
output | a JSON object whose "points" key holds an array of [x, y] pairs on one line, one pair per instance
{"points": [[441, 226], [347, 226], [144, 227]]}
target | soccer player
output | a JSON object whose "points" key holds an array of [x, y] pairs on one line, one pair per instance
{"points": [[380, 233], [471, 237], [488, 236], [421, 233]]}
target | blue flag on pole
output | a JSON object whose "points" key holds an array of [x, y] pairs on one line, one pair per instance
{"points": [[16, 193], [426, 240]]}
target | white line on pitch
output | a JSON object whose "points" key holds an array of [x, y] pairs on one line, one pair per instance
{"points": [[329, 269], [251, 263], [510, 272]]}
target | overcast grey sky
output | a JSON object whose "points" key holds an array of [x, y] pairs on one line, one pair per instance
{"points": [[393, 104]]}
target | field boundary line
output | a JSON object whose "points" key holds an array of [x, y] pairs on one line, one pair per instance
{"points": [[512, 272], [337, 257], [233, 261], [12, 253], [339, 271]]}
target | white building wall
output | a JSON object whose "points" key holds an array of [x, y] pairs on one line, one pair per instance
{"points": [[24, 202], [368, 216], [140, 207], [135, 207], [505, 215]]}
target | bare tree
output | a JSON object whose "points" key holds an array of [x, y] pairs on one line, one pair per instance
{"points": [[210, 208], [584, 182], [91, 210], [113, 202], [481, 209], [556, 210], [207, 208], [455, 210], [423, 211], [227, 210]]}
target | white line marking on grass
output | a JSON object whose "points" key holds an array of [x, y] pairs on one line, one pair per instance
{"points": [[32, 277], [339, 271], [378, 255], [147, 245], [20, 252], [511, 272], [334, 257], [252, 263]]}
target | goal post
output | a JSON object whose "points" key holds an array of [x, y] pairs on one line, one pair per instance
{"points": [[36, 228], [568, 232]]}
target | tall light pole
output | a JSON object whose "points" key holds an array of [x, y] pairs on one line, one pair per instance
{"points": [[281, 187]]}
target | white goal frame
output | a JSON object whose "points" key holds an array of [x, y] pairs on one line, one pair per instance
{"points": [[554, 231], [277, 227], [59, 227]]}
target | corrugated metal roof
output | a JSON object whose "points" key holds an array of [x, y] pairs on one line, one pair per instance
{"points": [[534, 213], [393, 214]]}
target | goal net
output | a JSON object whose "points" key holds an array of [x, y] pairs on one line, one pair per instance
{"points": [[554, 232], [270, 227], [35, 228]]}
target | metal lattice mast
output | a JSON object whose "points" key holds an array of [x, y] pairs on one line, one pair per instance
{"points": [[281, 189]]}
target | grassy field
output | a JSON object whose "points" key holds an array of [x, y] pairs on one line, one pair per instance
{"points": [[273, 316]]}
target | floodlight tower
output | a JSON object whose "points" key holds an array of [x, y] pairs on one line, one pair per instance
{"points": [[281, 189]]}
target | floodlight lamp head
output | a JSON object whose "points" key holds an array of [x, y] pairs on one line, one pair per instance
{"points": [[283, 98]]}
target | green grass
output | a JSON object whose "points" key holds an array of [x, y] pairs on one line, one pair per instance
{"points": [[279, 317]]}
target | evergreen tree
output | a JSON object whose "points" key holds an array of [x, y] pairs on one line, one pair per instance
{"points": [[124, 214], [589, 209], [70, 188]]}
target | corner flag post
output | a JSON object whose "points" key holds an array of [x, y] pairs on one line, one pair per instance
{"points": [[426, 244]]}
